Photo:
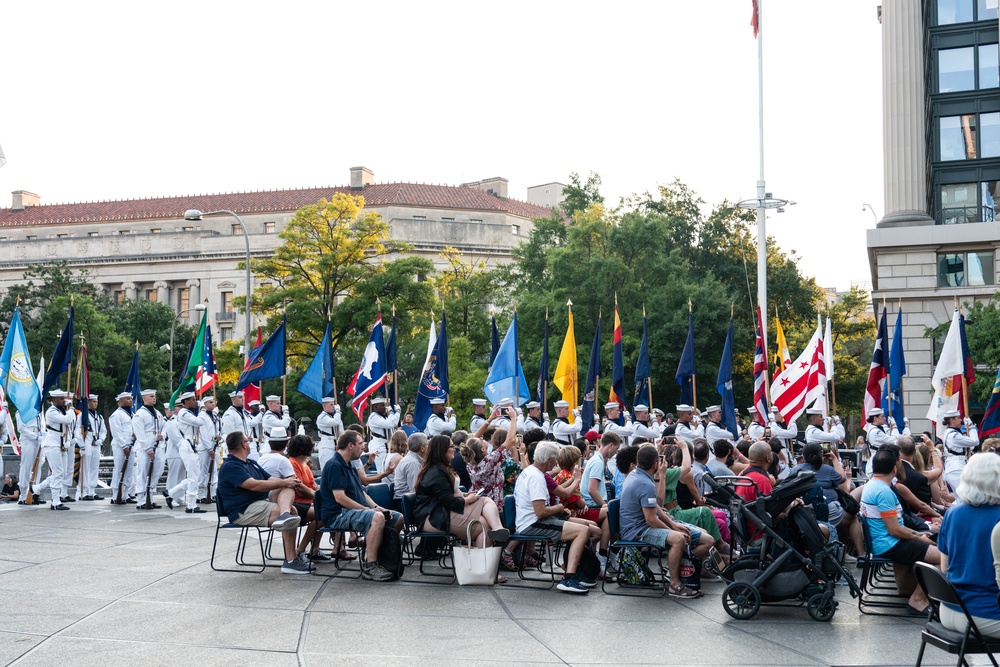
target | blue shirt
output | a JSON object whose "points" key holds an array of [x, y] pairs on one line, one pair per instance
{"points": [[593, 469], [878, 500], [409, 430], [338, 474], [638, 491], [234, 498], [965, 540]]}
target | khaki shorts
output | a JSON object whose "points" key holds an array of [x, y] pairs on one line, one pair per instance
{"points": [[257, 514]]}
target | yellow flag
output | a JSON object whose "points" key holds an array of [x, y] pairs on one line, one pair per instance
{"points": [[782, 358], [566, 373]]}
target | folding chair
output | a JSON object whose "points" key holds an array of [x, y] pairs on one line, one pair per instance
{"points": [[940, 590], [381, 494], [616, 547], [241, 545], [550, 549], [413, 531], [878, 584], [341, 569]]}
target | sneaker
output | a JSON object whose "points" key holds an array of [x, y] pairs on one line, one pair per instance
{"points": [[376, 572], [295, 566], [507, 561], [320, 557], [286, 521], [303, 558], [586, 582], [571, 584], [499, 535]]}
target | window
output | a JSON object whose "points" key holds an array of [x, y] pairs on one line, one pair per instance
{"points": [[476, 220], [183, 299], [420, 217], [973, 268], [154, 230], [237, 229], [969, 136], [187, 229], [268, 227], [119, 297], [447, 219], [62, 236], [31, 237], [515, 229], [961, 11], [93, 234], [3, 238], [968, 202], [227, 302], [968, 68], [151, 295], [225, 334], [123, 232]]}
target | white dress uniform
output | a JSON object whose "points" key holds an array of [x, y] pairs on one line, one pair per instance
{"points": [[563, 432], [175, 466], [210, 438], [381, 427], [236, 420], [755, 431], [437, 424], [532, 423], [648, 429], [147, 423], [815, 434], [59, 423], [717, 431], [189, 426], [30, 436], [256, 434], [93, 442], [624, 431], [956, 447], [475, 423], [686, 432], [270, 420], [122, 438], [330, 426]]}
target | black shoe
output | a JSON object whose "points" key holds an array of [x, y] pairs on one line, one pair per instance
{"points": [[37, 501], [59, 507], [170, 502], [88, 498], [70, 499], [131, 500], [196, 510]]}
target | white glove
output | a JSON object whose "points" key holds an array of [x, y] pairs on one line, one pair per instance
{"points": [[545, 416], [284, 409], [577, 411], [826, 421], [892, 421], [906, 421], [836, 419], [336, 408], [628, 417], [968, 421], [395, 408]]}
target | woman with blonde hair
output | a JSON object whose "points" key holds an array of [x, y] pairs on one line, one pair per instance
{"points": [[397, 450]]}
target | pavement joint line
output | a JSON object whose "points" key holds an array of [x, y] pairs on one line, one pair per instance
{"points": [[140, 642], [510, 615], [304, 628]]}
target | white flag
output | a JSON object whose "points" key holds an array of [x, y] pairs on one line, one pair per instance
{"points": [[828, 349], [431, 344], [947, 375]]}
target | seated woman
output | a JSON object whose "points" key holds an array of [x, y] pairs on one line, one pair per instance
{"points": [[299, 453], [965, 542], [931, 457], [440, 507], [11, 492], [397, 450], [678, 471], [830, 475]]}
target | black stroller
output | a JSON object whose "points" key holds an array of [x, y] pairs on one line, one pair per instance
{"points": [[785, 559]]}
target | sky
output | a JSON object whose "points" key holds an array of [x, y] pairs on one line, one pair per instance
{"points": [[114, 100]]}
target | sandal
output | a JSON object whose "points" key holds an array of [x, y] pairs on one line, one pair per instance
{"points": [[344, 554], [682, 592], [501, 579]]}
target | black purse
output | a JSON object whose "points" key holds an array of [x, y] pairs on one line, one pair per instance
{"points": [[847, 502]]}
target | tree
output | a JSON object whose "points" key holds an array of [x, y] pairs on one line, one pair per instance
{"points": [[580, 196]]}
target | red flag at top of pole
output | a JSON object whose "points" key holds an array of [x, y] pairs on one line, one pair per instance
{"points": [[754, 19]]}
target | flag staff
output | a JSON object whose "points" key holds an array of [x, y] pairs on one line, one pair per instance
{"points": [[597, 375], [395, 373], [517, 360], [545, 380], [833, 381], [965, 380], [694, 376], [901, 394], [649, 381]]}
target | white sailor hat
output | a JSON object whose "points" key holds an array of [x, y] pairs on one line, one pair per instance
{"points": [[479, 401], [752, 410], [149, 392], [775, 410], [328, 399], [253, 403], [57, 393], [814, 411], [561, 404], [378, 400], [503, 401], [950, 413], [123, 396], [640, 408], [531, 405], [435, 401], [713, 408], [273, 397], [278, 433], [657, 411], [185, 396], [683, 407], [875, 412], [236, 394], [92, 397], [611, 406], [166, 406]]}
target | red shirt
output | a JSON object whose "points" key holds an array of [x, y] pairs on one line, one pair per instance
{"points": [[760, 477]]}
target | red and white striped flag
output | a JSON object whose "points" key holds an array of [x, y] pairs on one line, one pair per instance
{"points": [[760, 377]]}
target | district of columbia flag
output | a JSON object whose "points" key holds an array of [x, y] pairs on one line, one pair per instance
{"points": [[947, 379], [792, 388], [877, 371], [566, 378]]}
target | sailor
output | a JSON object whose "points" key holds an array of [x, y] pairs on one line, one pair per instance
{"points": [[755, 431], [816, 430], [535, 418], [275, 415], [255, 415], [478, 414], [442, 418], [147, 425], [70, 474], [208, 449], [957, 446], [330, 425], [643, 425], [616, 421], [175, 466], [562, 431], [235, 418], [688, 427], [381, 424], [189, 425], [502, 421], [879, 433], [30, 436], [122, 440], [715, 429], [93, 442], [59, 422]]}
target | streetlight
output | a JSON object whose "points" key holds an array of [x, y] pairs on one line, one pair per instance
{"points": [[199, 307], [195, 214]]}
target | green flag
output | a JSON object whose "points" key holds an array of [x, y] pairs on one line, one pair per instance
{"points": [[195, 361]]}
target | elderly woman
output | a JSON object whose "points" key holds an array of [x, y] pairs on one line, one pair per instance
{"points": [[965, 546]]}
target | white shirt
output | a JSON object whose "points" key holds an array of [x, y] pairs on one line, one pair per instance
{"points": [[817, 434], [563, 431], [531, 422], [686, 432], [146, 424], [653, 431], [955, 445], [786, 435], [271, 420], [881, 435], [56, 421], [209, 430], [382, 426], [330, 426], [172, 436], [437, 424], [530, 486], [235, 419], [715, 432], [276, 465], [189, 425], [29, 432], [476, 422]]}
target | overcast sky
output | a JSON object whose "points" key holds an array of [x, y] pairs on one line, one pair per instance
{"points": [[106, 100]]}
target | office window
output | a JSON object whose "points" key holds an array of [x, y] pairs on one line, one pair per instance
{"points": [[183, 299], [3, 238], [154, 230], [31, 237], [62, 236], [967, 202], [989, 68], [956, 69], [151, 295], [268, 227], [237, 229], [420, 217], [225, 334], [972, 269], [119, 297], [227, 302], [515, 229], [447, 219], [123, 232], [961, 11], [476, 220], [93, 234]]}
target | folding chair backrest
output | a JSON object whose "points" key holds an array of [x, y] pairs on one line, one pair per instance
{"points": [[614, 518], [935, 585], [509, 512], [223, 515], [609, 490], [409, 499], [380, 493], [868, 535], [318, 507]]}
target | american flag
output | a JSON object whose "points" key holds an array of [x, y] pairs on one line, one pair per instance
{"points": [[760, 377]]}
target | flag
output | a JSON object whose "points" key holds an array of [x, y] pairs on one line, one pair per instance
{"points": [[816, 392], [82, 389], [617, 393], [724, 382], [877, 370], [782, 357], [16, 372], [494, 338], [506, 377], [968, 368], [685, 367], [251, 392], [947, 379], [566, 378], [892, 391], [317, 381], [370, 375], [791, 389], [207, 375], [434, 379], [431, 346], [266, 361], [755, 19], [132, 384], [760, 376], [390, 362], [589, 389], [641, 396], [991, 420], [543, 367], [184, 383], [195, 360], [61, 358]]}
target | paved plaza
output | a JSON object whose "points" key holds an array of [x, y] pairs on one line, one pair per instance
{"points": [[103, 585]]}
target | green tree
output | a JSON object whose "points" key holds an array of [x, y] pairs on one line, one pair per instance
{"points": [[580, 196]]}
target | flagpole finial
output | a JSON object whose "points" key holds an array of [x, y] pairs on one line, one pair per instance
{"points": [[394, 310], [71, 300], [644, 310], [689, 305], [569, 303], [616, 299], [732, 309], [136, 344], [17, 301]]}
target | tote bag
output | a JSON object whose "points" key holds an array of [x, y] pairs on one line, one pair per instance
{"points": [[475, 566]]}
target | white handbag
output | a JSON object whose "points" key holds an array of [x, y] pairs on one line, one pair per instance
{"points": [[475, 566]]}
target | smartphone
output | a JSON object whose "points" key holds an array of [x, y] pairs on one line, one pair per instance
{"points": [[592, 448], [481, 491]]}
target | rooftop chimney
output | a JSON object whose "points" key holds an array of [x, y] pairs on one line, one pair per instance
{"points": [[361, 177], [496, 186], [22, 199]]}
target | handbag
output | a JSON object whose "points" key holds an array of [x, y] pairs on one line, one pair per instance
{"points": [[476, 566], [847, 501]]}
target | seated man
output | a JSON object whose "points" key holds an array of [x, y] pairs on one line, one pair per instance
{"points": [[642, 519], [346, 506], [890, 538], [252, 497], [275, 462]]}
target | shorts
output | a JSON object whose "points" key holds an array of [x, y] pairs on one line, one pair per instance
{"points": [[590, 515], [356, 521], [547, 529], [302, 509], [257, 514], [907, 552]]}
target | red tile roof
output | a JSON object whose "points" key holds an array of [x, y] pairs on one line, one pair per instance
{"points": [[378, 194]]}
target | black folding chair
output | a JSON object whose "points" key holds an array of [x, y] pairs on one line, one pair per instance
{"points": [[549, 547], [343, 571], [940, 590], [241, 545], [878, 582], [412, 532], [613, 570]]}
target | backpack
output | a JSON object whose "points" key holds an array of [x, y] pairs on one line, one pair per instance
{"points": [[390, 552], [590, 565], [691, 570], [633, 568]]}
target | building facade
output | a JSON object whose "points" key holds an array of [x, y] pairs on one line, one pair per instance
{"points": [[937, 243], [146, 249]]}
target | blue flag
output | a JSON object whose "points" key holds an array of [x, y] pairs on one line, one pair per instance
{"points": [[724, 383], [543, 367], [61, 358], [685, 367], [589, 390], [506, 378], [390, 361], [317, 382], [991, 419], [267, 361], [371, 372], [16, 373], [433, 381], [641, 396], [132, 384], [494, 340], [892, 391]]}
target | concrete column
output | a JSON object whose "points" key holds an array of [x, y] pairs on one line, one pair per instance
{"points": [[131, 291], [162, 292], [194, 299], [903, 115]]}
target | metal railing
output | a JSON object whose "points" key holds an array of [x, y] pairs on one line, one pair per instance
{"points": [[961, 215]]}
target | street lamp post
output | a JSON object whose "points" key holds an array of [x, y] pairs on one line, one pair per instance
{"points": [[195, 214], [199, 307]]}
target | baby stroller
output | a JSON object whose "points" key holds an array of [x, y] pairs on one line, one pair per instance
{"points": [[788, 558]]}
